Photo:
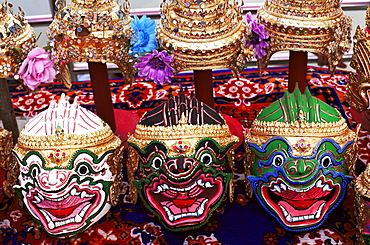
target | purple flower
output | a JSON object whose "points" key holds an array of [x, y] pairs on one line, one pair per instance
{"points": [[258, 37], [156, 66], [36, 68]]}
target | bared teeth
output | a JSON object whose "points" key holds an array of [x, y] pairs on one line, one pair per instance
{"points": [[291, 219], [319, 184], [276, 188], [327, 188], [197, 213], [199, 182], [283, 186], [318, 212]]}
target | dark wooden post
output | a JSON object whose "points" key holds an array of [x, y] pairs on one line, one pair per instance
{"points": [[6, 110], [203, 83], [297, 70], [102, 94]]}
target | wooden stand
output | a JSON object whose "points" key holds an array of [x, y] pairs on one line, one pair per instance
{"points": [[204, 87], [102, 94], [297, 70], [7, 111]]}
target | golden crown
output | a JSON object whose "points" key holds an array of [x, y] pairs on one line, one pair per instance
{"points": [[318, 26], [204, 34], [60, 146], [359, 85], [182, 132], [261, 131], [15, 34], [91, 31]]}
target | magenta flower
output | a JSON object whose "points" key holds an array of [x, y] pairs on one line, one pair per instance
{"points": [[257, 38], [156, 66], [36, 68]]}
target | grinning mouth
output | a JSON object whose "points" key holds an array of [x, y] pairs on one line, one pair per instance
{"points": [[297, 206], [186, 203], [67, 212]]}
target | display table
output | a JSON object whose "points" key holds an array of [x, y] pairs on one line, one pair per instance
{"points": [[244, 221]]}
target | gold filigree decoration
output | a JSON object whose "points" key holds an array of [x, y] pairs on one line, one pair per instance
{"points": [[318, 26]]}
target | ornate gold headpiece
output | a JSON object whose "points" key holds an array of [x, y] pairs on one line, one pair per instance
{"points": [[303, 120], [15, 33], [57, 143], [91, 31], [318, 26], [359, 85], [145, 134], [204, 34]]}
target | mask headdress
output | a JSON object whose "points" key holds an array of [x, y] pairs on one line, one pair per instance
{"points": [[16, 38], [299, 153], [91, 31], [359, 85], [318, 26], [204, 34], [68, 156], [175, 145]]}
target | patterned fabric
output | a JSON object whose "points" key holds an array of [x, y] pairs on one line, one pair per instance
{"points": [[242, 222]]}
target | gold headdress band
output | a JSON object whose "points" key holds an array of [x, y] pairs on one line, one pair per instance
{"points": [[182, 131], [15, 33], [59, 147], [261, 131], [204, 34], [318, 26]]}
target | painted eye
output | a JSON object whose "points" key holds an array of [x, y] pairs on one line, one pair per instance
{"points": [[82, 170], [157, 162], [34, 172], [206, 158], [278, 160], [326, 161]]}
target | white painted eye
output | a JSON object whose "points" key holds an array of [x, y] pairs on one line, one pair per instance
{"points": [[278, 160], [326, 161], [206, 158], [82, 170], [157, 162]]}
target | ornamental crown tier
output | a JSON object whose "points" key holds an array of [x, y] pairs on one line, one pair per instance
{"points": [[359, 84], [317, 26], [91, 31], [16, 39], [204, 34]]}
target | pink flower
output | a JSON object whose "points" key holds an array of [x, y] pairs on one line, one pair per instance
{"points": [[36, 68]]}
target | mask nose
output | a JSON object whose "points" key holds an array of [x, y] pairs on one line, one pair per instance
{"points": [[300, 168], [54, 178], [180, 166]]}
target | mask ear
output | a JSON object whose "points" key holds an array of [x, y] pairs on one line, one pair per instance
{"points": [[11, 177], [231, 159], [132, 165], [115, 165], [248, 161]]}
